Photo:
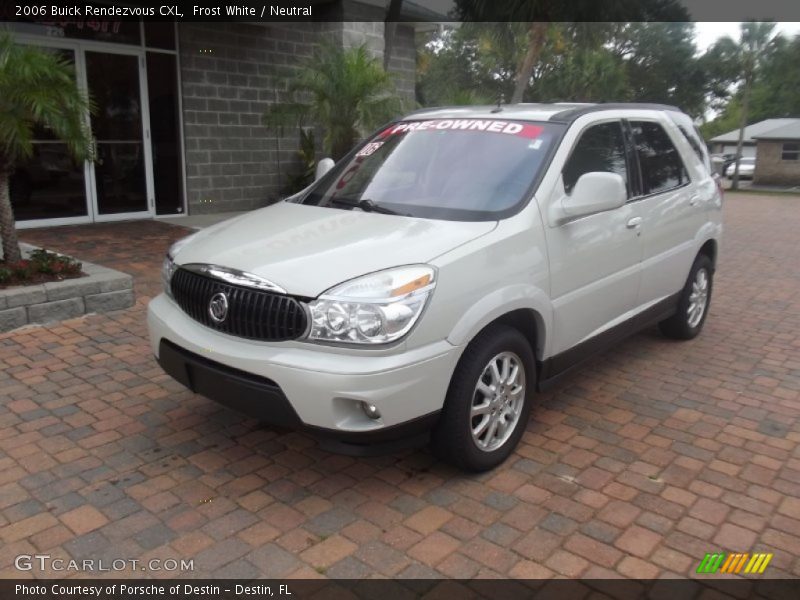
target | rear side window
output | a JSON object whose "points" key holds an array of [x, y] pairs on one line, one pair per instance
{"points": [[662, 167], [600, 148]]}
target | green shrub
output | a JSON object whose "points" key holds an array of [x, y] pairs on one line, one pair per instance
{"points": [[22, 269], [54, 264]]}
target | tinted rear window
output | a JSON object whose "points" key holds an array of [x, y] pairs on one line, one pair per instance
{"points": [[662, 167]]}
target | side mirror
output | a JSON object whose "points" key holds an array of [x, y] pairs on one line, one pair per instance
{"points": [[323, 166], [593, 193]]}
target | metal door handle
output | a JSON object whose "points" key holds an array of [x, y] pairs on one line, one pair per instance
{"points": [[634, 222], [694, 200]]}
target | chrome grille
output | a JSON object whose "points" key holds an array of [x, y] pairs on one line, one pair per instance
{"points": [[252, 313]]}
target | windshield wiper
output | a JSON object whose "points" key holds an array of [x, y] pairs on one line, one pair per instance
{"points": [[366, 205]]}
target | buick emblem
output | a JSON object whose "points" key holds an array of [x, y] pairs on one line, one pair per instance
{"points": [[218, 307]]}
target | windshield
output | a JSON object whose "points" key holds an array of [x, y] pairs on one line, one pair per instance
{"points": [[455, 169]]}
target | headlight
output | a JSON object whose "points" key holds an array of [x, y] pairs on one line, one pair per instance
{"points": [[374, 309], [168, 267]]}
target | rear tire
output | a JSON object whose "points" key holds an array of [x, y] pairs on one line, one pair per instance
{"points": [[693, 303], [489, 401]]}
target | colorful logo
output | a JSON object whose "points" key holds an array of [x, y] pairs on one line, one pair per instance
{"points": [[735, 563]]}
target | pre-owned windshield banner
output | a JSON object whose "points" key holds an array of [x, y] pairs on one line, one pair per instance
{"points": [[488, 125]]}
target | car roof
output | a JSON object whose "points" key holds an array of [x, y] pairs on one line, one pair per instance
{"points": [[557, 112]]}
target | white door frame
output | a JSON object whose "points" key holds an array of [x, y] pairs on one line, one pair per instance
{"points": [[80, 77], [79, 47], [146, 146]]}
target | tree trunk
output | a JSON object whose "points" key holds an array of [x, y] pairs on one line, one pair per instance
{"points": [[8, 228], [742, 125], [536, 37], [389, 31]]}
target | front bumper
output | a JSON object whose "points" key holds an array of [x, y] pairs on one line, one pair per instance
{"points": [[306, 386]]}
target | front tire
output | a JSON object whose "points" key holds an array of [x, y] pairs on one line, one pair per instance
{"points": [[488, 402], [693, 303]]}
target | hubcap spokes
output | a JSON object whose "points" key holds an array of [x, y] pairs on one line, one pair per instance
{"points": [[497, 401], [698, 299]]}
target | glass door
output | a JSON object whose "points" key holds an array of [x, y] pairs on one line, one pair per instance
{"points": [[121, 174], [49, 185]]}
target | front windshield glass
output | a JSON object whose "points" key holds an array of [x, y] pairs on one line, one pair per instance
{"points": [[457, 169]]}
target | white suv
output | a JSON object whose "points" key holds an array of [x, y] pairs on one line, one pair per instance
{"points": [[454, 263]]}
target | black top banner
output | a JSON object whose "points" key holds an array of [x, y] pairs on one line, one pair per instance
{"points": [[431, 11]]}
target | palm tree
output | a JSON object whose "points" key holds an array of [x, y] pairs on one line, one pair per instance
{"points": [[345, 91], [755, 42], [538, 14], [37, 89]]}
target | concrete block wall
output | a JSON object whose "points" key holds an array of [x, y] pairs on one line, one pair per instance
{"points": [[230, 74], [100, 290], [403, 63]]}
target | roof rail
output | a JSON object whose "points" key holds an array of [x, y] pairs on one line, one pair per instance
{"points": [[569, 115]]}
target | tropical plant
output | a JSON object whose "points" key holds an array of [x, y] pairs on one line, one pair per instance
{"points": [[308, 161], [661, 64], [537, 15], [776, 90], [582, 75], [345, 91], [37, 90], [578, 62], [41, 265], [469, 64], [747, 56]]}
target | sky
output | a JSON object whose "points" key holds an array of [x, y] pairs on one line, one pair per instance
{"points": [[708, 33]]}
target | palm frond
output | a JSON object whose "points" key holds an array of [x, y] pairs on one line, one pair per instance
{"points": [[345, 91], [39, 89]]}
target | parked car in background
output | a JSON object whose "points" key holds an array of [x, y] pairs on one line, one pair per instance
{"points": [[747, 166], [720, 162], [454, 263]]}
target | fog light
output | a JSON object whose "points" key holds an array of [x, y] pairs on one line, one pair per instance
{"points": [[370, 410]]}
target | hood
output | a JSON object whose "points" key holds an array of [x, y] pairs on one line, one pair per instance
{"points": [[308, 249]]}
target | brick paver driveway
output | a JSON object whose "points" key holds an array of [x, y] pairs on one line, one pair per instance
{"points": [[651, 456]]}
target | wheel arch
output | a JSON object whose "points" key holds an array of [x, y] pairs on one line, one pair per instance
{"points": [[529, 323], [709, 249], [524, 308]]}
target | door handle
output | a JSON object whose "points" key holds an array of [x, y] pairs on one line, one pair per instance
{"points": [[694, 200], [633, 222]]}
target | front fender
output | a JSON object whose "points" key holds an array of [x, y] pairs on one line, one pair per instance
{"points": [[501, 301]]}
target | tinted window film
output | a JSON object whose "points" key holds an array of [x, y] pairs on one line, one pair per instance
{"points": [[662, 167], [600, 148]]}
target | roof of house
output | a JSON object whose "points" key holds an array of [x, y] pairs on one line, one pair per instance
{"points": [[791, 131], [756, 130]]}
